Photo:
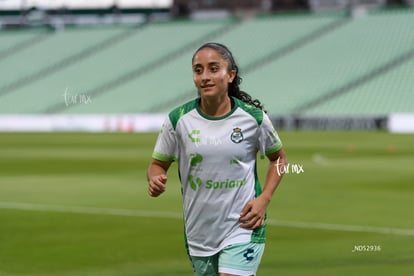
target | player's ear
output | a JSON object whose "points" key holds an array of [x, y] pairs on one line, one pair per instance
{"points": [[232, 75]]}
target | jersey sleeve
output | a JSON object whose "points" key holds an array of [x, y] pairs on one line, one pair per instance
{"points": [[166, 148], [269, 141]]}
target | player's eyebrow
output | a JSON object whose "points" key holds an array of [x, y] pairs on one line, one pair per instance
{"points": [[209, 64], [214, 63]]}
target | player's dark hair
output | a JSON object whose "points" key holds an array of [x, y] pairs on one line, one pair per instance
{"points": [[234, 86]]}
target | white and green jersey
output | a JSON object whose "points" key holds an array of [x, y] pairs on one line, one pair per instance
{"points": [[217, 166]]}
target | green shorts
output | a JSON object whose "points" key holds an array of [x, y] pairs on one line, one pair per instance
{"points": [[238, 259]]}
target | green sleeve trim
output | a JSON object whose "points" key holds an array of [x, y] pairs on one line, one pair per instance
{"points": [[271, 150], [163, 157], [178, 112]]}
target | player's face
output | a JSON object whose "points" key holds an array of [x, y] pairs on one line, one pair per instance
{"points": [[210, 73]]}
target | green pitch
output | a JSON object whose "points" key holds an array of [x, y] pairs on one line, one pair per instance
{"points": [[77, 204]]}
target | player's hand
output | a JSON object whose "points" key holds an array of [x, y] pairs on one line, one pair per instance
{"points": [[156, 185], [253, 214]]}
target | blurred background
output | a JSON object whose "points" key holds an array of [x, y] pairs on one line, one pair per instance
{"points": [[86, 85], [314, 64]]}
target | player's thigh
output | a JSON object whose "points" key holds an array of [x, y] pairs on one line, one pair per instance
{"points": [[205, 266], [240, 259]]}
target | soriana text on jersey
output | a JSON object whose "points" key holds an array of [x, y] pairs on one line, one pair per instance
{"points": [[215, 184]]}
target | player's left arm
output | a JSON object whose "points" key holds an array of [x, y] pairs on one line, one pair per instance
{"points": [[253, 214]]}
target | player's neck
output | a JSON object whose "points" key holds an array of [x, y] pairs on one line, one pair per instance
{"points": [[215, 107]]}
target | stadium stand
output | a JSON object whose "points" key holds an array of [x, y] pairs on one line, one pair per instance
{"points": [[295, 64], [11, 41], [145, 76], [22, 71], [55, 51], [95, 74], [176, 87], [316, 70], [256, 42], [384, 90], [385, 94]]}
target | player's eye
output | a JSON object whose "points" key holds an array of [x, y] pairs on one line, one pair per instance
{"points": [[214, 69], [197, 70]]}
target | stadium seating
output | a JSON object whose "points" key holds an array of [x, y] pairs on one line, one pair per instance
{"points": [[23, 90], [176, 85], [54, 49], [356, 49], [309, 64], [151, 67], [388, 93], [141, 51], [252, 42], [11, 41]]}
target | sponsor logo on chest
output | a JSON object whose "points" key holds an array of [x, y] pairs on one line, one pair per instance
{"points": [[198, 138], [197, 183]]}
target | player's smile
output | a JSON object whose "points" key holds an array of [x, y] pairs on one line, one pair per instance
{"points": [[207, 86]]}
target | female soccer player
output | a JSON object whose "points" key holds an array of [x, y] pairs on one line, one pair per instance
{"points": [[215, 139]]}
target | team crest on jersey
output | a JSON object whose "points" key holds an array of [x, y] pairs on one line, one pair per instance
{"points": [[237, 135]]}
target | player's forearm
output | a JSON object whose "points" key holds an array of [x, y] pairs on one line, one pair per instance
{"points": [[157, 168], [274, 175], [157, 177], [154, 170]]}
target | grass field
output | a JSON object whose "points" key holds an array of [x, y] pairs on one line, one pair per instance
{"points": [[77, 204]]}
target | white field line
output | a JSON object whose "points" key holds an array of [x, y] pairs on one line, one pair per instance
{"points": [[88, 210], [175, 215]]}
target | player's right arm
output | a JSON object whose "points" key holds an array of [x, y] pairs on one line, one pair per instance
{"points": [[165, 152], [157, 177]]}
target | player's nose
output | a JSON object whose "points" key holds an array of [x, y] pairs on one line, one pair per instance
{"points": [[205, 76]]}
